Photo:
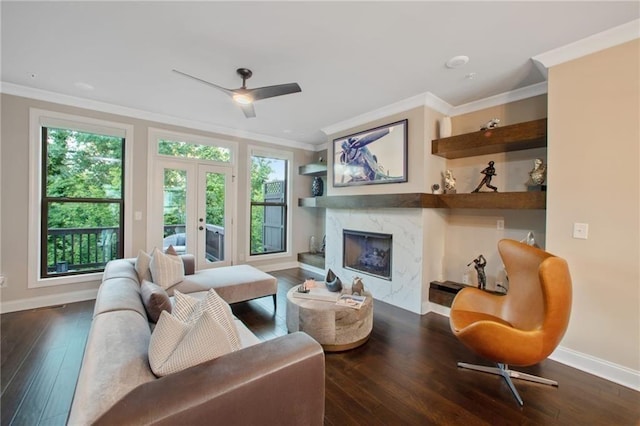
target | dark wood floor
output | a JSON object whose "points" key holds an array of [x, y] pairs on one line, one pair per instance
{"points": [[405, 374]]}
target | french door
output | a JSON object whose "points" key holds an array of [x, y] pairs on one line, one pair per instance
{"points": [[192, 210]]}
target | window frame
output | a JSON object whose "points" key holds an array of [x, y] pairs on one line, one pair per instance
{"points": [[38, 119], [280, 155]]}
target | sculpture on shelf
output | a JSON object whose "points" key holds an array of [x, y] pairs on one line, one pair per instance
{"points": [[435, 189], [530, 240], [479, 263], [491, 124], [488, 173], [449, 182], [539, 173]]}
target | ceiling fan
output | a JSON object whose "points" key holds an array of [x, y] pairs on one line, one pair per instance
{"points": [[246, 97]]}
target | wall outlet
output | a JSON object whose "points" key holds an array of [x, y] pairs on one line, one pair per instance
{"points": [[3, 281], [465, 278], [581, 231], [500, 224]]}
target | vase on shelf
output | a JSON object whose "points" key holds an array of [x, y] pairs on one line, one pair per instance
{"points": [[445, 127], [317, 186]]}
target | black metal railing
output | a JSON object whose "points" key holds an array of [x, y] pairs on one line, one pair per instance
{"points": [[70, 249]]}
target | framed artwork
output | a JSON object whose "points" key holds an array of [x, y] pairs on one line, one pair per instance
{"points": [[371, 157]]}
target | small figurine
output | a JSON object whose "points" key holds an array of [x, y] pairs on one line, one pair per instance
{"points": [[449, 182], [488, 173], [332, 281], [491, 124], [479, 263], [530, 240], [357, 287], [435, 189], [539, 173]]}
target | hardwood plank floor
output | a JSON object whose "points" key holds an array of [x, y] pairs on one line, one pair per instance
{"points": [[405, 374]]}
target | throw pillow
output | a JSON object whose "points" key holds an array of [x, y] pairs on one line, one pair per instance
{"points": [[188, 309], [195, 332], [175, 345], [166, 270], [154, 299], [142, 266]]}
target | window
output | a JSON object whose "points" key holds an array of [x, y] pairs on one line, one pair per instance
{"points": [[269, 198], [77, 199], [192, 150], [82, 201]]}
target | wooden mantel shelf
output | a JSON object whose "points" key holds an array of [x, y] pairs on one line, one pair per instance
{"points": [[516, 137], [481, 200]]}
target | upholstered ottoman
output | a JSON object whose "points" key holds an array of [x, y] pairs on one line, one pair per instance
{"points": [[336, 328]]}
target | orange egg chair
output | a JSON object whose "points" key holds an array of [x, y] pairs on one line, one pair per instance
{"points": [[522, 327]]}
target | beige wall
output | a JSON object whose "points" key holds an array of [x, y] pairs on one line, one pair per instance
{"points": [[15, 193], [472, 232], [594, 160]]}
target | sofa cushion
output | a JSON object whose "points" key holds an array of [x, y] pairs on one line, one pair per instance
{"points": [[197, 331], [115, 362], [155, 300], [119, 293], [166, 270]]}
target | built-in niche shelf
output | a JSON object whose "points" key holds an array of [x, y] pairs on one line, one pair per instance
{"points": [[515, 137], [313, 259], [313, 169], [479, 200], [443, 292]]}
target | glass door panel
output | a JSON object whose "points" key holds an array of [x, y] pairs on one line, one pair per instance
{"points": [[214, 227], [174, 209]]}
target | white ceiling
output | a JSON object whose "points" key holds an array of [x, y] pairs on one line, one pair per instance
{"points": [[349, 58]]}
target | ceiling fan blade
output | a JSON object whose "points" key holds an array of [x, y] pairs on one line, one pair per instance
{"points": [[272, 91], [225, 90], [248, 110]]}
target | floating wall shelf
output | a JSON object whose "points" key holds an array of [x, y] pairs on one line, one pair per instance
{"points": [[516, 137]]}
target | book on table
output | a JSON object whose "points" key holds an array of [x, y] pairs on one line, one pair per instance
{"points": [[351, 300], [318, 292]]}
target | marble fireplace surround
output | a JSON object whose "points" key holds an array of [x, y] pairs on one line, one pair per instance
{"points": [[416, 261]]}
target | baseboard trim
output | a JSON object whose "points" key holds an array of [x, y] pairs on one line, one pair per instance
{"points": [[589, 364], [311, 269], [598, 367], [44, 301]]}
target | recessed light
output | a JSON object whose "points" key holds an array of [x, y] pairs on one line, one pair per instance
{"points": [[471, 76], [457, 61], [83, 86], [32, 75]]}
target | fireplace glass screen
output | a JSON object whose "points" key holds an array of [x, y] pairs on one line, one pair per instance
{"points": [[367, 252]]}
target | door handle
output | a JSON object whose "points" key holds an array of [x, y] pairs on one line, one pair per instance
{"points": [[201, 227]]}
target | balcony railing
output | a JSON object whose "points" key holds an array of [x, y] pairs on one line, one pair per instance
{"points": [[84, 249], [81, 249]]}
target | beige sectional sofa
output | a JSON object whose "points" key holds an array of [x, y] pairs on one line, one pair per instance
{"points": [[280, 381]]}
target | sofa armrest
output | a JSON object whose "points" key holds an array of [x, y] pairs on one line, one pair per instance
{"points": [[280, 381], [189, 262]]}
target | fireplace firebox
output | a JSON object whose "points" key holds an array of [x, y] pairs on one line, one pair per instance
{"points": [[367, 252]]}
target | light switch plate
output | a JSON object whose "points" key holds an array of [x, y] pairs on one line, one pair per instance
{"points": [[581, 231]]}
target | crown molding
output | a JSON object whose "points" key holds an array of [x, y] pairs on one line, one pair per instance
{"points": [[423, 99], [501, 99], [47, 96], [600, 41]]}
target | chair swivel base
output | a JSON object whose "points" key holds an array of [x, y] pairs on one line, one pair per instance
{"points": [[503, 370]]}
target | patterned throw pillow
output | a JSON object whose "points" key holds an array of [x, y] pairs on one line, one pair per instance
{"points": [[196, 331], [166, 270], [142, 266], [155, 300]]}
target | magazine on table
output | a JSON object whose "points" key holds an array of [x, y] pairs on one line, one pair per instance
{"points": [[351, 300]]}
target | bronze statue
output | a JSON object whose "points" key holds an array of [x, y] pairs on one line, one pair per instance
{"points": [[488, 173], [479, 263]]}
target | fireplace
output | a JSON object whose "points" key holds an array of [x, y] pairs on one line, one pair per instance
{"points": [[367, 252]]}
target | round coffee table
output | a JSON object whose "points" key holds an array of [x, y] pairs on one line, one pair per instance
{"points": [[336, 328]]}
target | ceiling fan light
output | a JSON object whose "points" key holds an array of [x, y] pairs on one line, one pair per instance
{"points": [[242, 99]]}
